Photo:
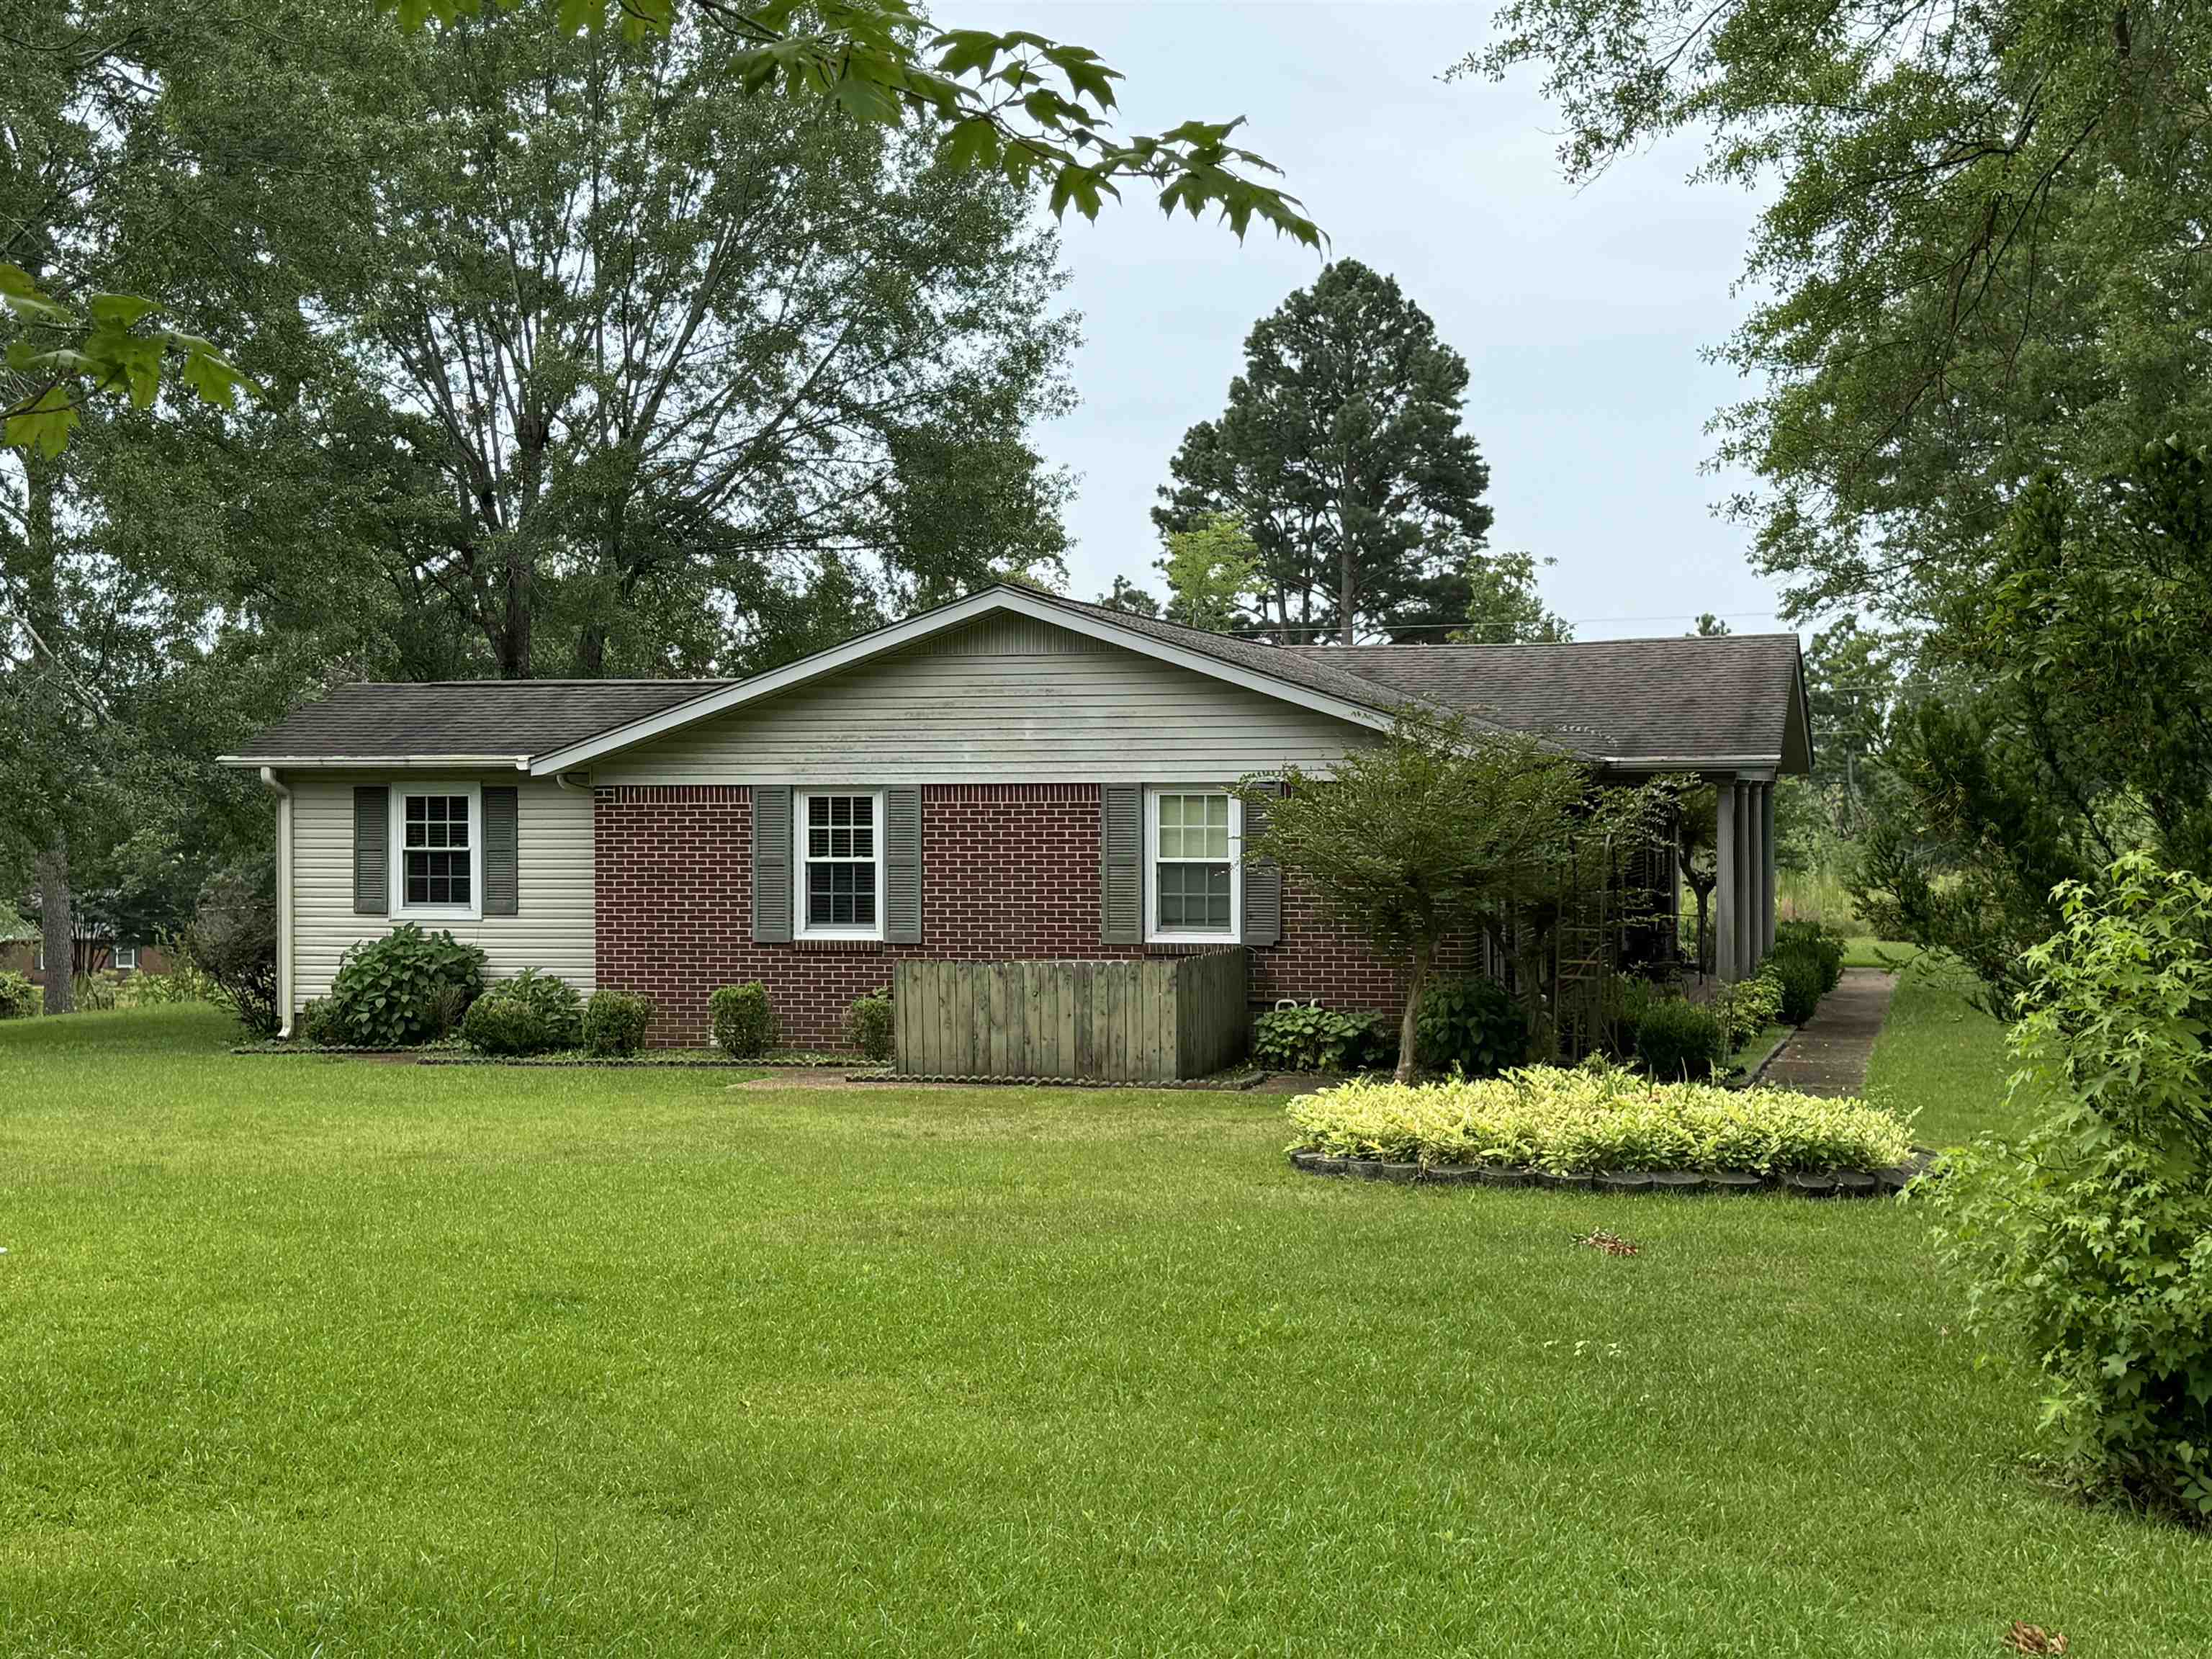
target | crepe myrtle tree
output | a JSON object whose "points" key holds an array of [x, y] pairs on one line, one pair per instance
{"points": [[1441, 830]]}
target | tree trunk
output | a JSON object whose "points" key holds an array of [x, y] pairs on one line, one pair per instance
{"points": [[56, 929], [1347, 594], [1424, 954]]}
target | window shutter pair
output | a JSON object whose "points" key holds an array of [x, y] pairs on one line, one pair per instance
{"points": [[899, 848], [372, 850], [1121, 870]]}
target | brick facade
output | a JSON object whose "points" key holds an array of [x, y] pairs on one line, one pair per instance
{"points": [[1009, 870]]}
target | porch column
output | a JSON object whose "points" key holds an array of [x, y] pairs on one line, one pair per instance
{"points": [[1725, 905], [1767, 872], [1747, 883]]}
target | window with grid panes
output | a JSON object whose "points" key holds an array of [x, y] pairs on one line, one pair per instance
{"points": [[839, 864], [1194, 884], [435, 850]]}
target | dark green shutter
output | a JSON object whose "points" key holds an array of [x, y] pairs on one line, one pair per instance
{"points": [[772, 864], [902, 865], [372, 850], [1263, 880], [1121, 865], [503, 852]]}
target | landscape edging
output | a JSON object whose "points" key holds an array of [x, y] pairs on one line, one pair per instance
{"points": [[1807, 1184]]}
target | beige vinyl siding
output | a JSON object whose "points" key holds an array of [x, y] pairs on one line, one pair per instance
{"points": [[554, 837], [996, 715]]}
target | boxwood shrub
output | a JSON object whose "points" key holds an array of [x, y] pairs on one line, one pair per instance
{"points": [[1591, 1119], [744, 1021], [1678, 1040], [532, 1013], [1797, 971], [615, 1022], [869, 1025]]}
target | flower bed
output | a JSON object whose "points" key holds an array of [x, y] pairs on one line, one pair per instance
{"points": [[1544, 1120]]}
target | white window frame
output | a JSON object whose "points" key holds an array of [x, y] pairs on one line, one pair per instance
{"points": [[800, 926], [1154, 934], [123, 958], [473, 910]]}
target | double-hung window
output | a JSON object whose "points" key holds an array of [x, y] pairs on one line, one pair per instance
{"points": [[1193, 883], [126, 958], [840, 866], [436, 849]]}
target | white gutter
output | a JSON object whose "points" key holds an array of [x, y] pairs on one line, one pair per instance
{"points": [[284, 898], [382, 763]]}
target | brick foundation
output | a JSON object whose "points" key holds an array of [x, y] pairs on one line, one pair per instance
{"points": [[1009, 870]]}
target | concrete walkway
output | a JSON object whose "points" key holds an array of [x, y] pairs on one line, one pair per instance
{"points": [[1828, 1055]]}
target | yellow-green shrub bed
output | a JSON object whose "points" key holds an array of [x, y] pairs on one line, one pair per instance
{"points": [[1568, 1122]]}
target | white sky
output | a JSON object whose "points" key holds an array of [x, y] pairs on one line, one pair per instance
{"points": [[1580, 313]]}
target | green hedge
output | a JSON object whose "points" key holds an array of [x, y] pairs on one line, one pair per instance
{"points": [[1591, 1119]]}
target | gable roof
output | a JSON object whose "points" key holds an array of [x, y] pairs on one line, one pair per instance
{"points": [[499, 722], [1711, 698], [1737, 700]]}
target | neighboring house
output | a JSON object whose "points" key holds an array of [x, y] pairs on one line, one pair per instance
{"points": [[28, 956], [1013, 776]]}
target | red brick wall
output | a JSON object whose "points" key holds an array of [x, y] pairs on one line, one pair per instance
{"points": [[1009, 870]]}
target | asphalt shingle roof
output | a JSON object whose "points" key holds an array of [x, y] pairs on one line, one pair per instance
{"points": [[1733, 697], [1727, 696], [466, 717]]}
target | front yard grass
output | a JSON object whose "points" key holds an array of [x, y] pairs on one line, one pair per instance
{"points": [[350, 1358]]}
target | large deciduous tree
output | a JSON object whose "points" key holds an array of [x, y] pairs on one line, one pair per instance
{"points": [[2065, 724], [1983, 251], [628, 371], [1341, 451]]}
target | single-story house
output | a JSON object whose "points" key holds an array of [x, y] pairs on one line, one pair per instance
{"points": [[28, 957], [1014, 775]]}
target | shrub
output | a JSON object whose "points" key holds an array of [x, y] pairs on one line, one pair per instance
{"points": [[869, 1025], [1825, 943], [558, 1004], [19, 998], [1595, 1118], [1309, 1039], [319, 1024], [1679, 1039], [405, 988], [97, 993], [744, 1022], [615, 1022], [1471, 1023], [233, 940], [2087, 1244], [507, 1025], [1749, 1007], [1797, 971]]}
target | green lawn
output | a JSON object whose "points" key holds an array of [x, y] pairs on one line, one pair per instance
{"points": [[313, 1357], [1940, 1056]]}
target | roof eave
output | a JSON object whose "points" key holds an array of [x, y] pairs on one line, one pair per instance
{"points": [[380, 763]]}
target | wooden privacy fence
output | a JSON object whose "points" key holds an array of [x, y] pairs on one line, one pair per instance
{"points": [[1152, 1020]]}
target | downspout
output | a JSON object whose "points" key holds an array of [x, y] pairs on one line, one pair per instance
{"points": [[284, 898]]}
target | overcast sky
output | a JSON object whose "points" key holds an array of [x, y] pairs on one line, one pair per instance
{"points": [[1580, 313]]}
